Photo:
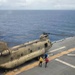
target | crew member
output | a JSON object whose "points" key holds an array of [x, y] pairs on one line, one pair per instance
{"points": [[46, 55], [46, 62], [40, 61]]}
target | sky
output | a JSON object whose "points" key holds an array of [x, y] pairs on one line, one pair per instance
{"points": [[38, 4]]}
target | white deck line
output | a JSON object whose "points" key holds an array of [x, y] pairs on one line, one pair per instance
{"points": [[58, 49], [63, 62], [71, 54]]}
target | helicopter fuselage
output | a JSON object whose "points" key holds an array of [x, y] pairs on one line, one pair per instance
{"points": [[18, 55]]}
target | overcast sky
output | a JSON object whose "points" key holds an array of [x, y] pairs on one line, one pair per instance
{"points": [[37, 4]]}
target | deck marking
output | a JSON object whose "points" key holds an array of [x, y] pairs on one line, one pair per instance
{"points": [[61, 54], [71, 54], [63, 62], [58, 49], [30, 66]]}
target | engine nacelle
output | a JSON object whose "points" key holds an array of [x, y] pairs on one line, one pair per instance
{"points": [[3, 46], [5, 52]]}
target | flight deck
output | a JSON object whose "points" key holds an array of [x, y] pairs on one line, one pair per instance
{"points": [[61, 62]]}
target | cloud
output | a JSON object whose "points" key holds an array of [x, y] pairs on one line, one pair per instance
{"points": [[64, 4], [12, 4], [50, 4], [37, 4], [3, 2]]}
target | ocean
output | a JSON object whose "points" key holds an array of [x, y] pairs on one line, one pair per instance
{"points": [[20, 26]]}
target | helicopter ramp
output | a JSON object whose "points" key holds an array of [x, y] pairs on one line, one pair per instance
{"points": [[60, 63]]}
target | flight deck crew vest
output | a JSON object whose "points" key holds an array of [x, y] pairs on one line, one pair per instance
{"points": [[41, 59], [46, 55], [47, 60]]}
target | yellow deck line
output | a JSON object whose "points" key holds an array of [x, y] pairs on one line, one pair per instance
{"points": [[61, 54], [30, 66]]}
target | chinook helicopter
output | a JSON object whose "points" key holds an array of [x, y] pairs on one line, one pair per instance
{"points": [[17, 55]]}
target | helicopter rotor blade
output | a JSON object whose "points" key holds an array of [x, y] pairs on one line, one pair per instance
{"points": [[69, 35]]}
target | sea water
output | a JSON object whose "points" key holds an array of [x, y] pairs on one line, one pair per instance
{"points": [[20, 26]]}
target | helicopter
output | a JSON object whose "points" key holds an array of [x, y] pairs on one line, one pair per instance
{"points": [[17, 55]]}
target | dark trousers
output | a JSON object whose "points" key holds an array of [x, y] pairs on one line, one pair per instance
{"points": [[40, 63], [46, 64]]}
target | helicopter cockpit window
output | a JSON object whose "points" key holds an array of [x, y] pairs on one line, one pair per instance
{"points": [[46, 45]]}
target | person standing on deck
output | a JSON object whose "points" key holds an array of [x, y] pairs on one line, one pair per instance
{"points": [[46, 55], [40, 61], [46, 62]]}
